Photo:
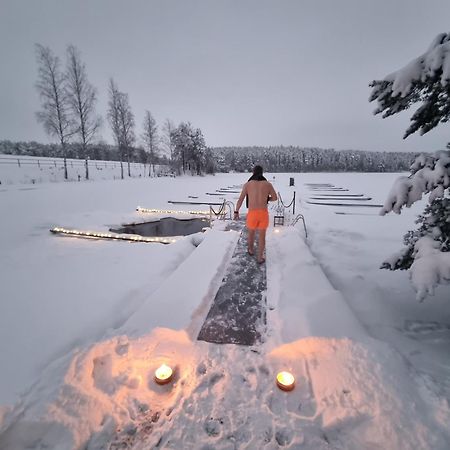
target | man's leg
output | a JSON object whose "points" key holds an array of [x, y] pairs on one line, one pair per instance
{"points": [[251, 240], [261, 244]]}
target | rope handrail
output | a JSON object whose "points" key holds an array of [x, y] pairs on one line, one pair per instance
{"points": [[280, 200], [220, 212]]}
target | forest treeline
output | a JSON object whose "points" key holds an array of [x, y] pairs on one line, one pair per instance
{"points": [[300, 159], [238, 159]]}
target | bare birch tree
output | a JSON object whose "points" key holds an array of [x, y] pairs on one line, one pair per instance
{"points": [[127, 126], [55, 108], [114, 119], [121, 119], [82, 99], [151, 140], [167, 139]]}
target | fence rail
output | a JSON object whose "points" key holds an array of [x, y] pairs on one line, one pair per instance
{"points": [[35, 169], [60, 162]]}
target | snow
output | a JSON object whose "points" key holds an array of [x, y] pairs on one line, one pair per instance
{"points": [[430, 175], [430, 268], [427, 65], [178, 294], [86, 323], [307, 303]]}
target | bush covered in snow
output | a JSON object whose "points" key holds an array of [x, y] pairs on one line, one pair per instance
{"points": [[425, 80]]}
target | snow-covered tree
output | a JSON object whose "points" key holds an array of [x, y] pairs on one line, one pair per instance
{"points": [[82, 98], [190, 151], [426, 79], [151, 139]]}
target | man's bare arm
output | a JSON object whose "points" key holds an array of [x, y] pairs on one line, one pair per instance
{"points": [[241, 199], [272, 193]]}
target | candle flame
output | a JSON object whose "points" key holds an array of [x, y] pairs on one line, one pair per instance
{"points": [[163, 373], [285, 380]]}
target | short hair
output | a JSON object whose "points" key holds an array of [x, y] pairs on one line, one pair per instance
{"points": [[257, 170]]}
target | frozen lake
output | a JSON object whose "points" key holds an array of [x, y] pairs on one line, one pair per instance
{"points": [[60, 293]]}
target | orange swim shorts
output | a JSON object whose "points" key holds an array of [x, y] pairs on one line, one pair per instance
{"points": [[257, 219]]}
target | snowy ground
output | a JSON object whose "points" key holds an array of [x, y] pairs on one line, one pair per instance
{"points": [[88, 322]]}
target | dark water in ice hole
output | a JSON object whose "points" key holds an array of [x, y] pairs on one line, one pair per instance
{"points": [[164, 227]]}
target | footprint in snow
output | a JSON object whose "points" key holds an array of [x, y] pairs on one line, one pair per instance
{"points": [[213, 427], [284, 436]]}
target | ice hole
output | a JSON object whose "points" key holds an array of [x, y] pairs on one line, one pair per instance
{"points": [[168, 226]]}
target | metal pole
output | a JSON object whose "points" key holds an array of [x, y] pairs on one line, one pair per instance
{"points": [[293, 205]]}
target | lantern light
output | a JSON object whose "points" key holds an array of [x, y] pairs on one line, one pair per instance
{"points": [[285, 381], [163, 374]]}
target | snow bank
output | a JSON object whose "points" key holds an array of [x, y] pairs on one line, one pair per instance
{"points": [[80, 401], [186, 295], [365, 395], [348, 395], [307, 304]]}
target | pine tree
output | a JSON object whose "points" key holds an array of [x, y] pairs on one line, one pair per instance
{"points": [[424, 80]]}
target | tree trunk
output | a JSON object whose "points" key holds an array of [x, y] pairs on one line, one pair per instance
{"points": [[63, 145]]}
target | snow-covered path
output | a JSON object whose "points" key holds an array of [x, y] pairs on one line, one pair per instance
{"points": [[358, 385], [238, 313]]}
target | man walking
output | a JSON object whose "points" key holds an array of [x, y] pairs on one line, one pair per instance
{"points": [[258, 192]]}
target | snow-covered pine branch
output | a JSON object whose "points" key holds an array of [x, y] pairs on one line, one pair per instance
{"points": [[426, 79], [430, 174], [427, 251]]}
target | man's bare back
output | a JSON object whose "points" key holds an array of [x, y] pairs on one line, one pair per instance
{"points": [[259, 192]]}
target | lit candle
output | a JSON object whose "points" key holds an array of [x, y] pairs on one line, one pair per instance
{"points": [[285, 381], [163, 374]]}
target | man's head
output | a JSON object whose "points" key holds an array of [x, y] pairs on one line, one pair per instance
{"points": [[258, 170]]}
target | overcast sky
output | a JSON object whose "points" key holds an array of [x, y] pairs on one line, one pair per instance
{"points": [[247, 72]]}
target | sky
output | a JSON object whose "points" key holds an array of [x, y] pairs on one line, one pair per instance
{"points": [[246, 72]]}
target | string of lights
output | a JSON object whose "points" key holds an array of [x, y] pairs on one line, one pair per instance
{"points": [[113, 236], [168, 211]]}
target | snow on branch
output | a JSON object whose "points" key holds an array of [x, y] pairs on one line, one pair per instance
{"points": [[427, 251], [425, 79], [430, 267], [430, 174]]}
